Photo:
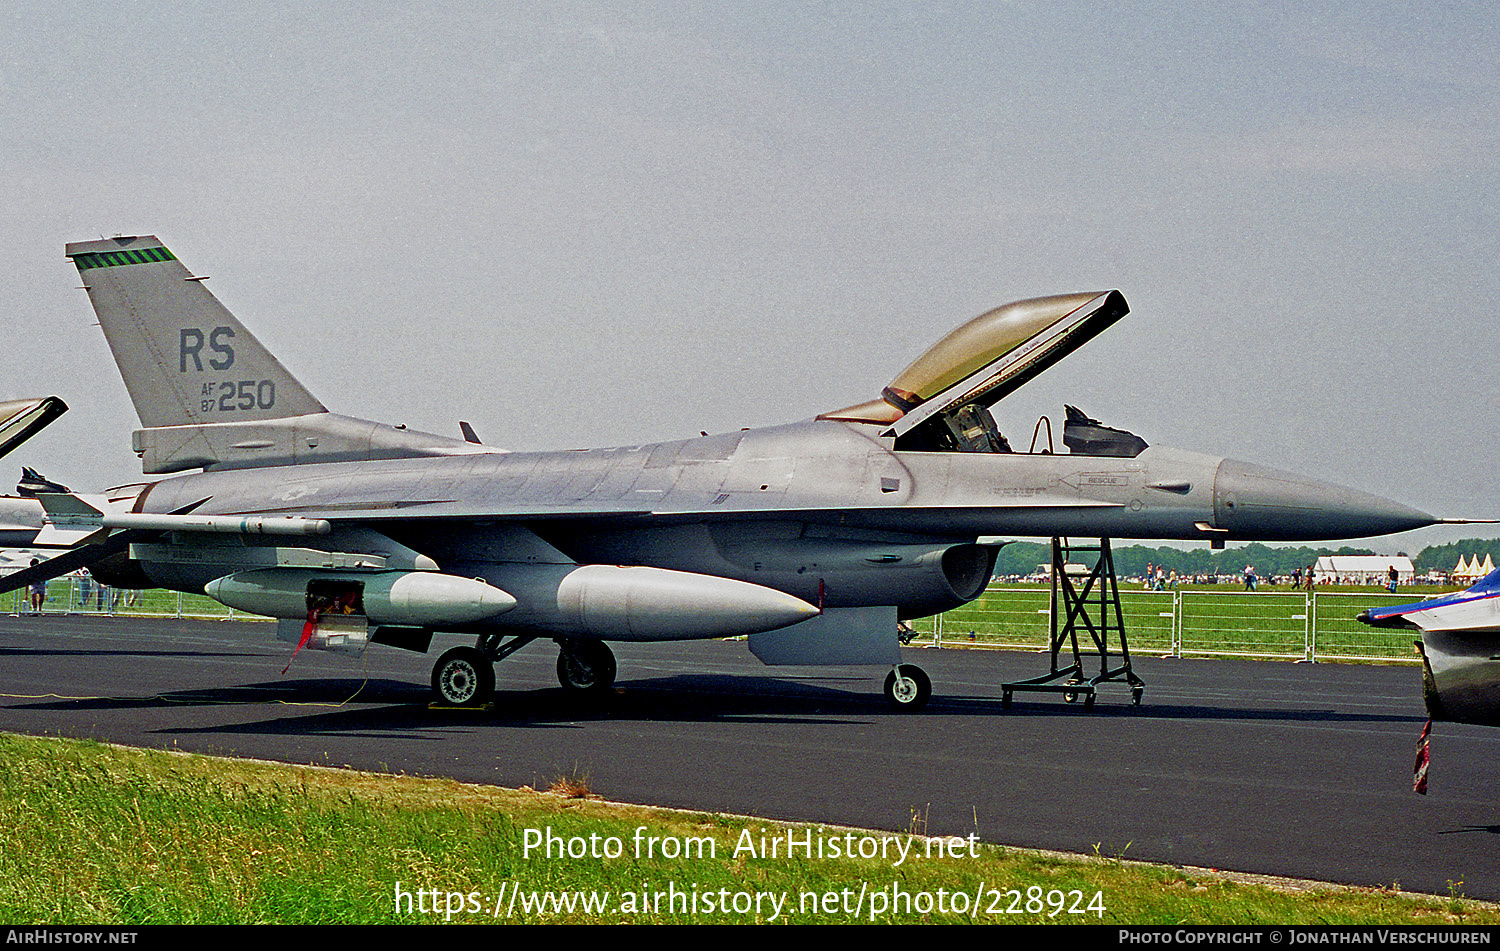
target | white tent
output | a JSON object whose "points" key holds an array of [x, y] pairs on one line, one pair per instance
{"points": [[1363, 569], [1470, 570]]}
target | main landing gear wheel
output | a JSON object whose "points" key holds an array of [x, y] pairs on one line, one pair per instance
{"points": [[463, 677], [586, 667], [907, 688]]}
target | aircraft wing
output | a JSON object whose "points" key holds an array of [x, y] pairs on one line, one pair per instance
{"points": [[84, 556], [1475, 609]]}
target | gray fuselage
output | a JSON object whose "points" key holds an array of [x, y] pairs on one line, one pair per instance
{"points": [[823, 510]]}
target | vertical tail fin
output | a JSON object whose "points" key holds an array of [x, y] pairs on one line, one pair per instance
{"points": [[207, 392], [184, 357]]}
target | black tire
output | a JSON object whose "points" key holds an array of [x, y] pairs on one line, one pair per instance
{"points": [[463, 677], [910, 690], [586, 667]]}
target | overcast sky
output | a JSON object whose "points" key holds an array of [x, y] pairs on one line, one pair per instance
{"points": [[612, 223]]}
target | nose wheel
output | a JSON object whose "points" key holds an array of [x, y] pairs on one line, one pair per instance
{"points": [[907, 688]]}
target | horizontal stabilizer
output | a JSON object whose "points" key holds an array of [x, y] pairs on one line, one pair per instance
{"points": [[294, 440]]}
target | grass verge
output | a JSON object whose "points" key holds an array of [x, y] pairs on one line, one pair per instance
{"points": [[94, 834]]}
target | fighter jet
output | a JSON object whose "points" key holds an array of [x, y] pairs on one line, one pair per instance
{"points": [[813, 538], [1460, 649]]}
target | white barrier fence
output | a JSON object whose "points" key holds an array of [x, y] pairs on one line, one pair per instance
{"points": [[1298, 625], [75, 594]]}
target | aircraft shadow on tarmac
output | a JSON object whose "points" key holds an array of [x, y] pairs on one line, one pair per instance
{"points": [[58, 652], [1492, 830], [278, 693], [385, 706], [1174, 711], [390, 706]]}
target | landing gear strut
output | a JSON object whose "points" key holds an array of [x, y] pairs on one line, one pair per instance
{"points": [[585, 666], [465, 676]]}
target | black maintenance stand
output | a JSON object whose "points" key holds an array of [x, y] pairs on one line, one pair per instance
{"points": [[1074, 607]]}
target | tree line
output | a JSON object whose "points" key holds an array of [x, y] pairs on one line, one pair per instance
{"points": [[1022, 558]]}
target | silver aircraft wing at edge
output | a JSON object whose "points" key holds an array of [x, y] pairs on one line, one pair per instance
{"points": [[22, 419]]}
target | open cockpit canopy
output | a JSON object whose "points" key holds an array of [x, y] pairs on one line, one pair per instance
{"points": [[996, 352], [941, 400]]}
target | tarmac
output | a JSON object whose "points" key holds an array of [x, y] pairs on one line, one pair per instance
{"points": [[1259, 767]]}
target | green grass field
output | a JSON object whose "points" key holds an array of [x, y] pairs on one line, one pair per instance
{"points": [[1221, 619], [66, 596], [93, 834]]}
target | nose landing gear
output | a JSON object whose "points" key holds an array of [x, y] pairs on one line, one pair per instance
{"points": [[907, 687]]}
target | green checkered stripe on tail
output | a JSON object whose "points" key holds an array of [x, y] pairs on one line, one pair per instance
{"points": [[119, 258]]}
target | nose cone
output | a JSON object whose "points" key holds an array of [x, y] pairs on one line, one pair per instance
{"points": [[1254, 502]]}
